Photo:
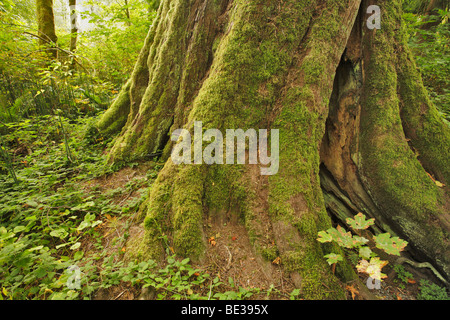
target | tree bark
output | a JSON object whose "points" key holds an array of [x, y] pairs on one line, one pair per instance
{"points": [[73, 25], [46, 25], [350, 108]]}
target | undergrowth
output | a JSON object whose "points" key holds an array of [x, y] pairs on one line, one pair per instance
{"points": [[53, 228]]}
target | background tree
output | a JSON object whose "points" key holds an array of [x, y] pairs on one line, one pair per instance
{"points": [[73, 25], [46, 25]]}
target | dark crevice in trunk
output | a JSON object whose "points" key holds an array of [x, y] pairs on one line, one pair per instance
{"points": [[341, 180]]}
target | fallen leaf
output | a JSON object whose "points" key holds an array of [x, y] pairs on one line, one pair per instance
{"points": [[439, 184], [212, 241], [352, 291], [277, 261], [123, 249], [234, 238], [411, 281], [398, 297], [171, 249]]}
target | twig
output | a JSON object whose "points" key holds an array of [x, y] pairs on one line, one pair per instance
{"points": [[120, 294], [229, 259], [55, 47]]}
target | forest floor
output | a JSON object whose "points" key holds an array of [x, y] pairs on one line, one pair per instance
{"points": [[69, 208]]}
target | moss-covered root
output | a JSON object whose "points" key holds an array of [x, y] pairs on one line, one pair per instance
{"points": [[423, 125], [127, 102], [116, 116], [173, 215], [178, 58], [403, 191]]}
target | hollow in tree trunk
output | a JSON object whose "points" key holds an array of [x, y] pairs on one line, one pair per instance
{"points": [[353, 116]]}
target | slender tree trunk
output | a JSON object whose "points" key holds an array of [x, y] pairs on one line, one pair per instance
{"points": [[74, 25], [354, 120], [127, 13], [46, 25]]}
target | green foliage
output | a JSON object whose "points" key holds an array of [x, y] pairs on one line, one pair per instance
{"points": [[45, 216], [113, 45], [47, 219], [404, 276], [431, 291], [31, 84], [369, 262], [333, 258], [432, 54]]}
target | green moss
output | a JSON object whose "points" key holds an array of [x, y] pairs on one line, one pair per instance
{"points": [[422, 122], [116, 116], [187, 211], [270, 253]]}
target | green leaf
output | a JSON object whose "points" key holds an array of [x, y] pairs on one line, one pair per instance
{"points": [[40, 273], [359, 222], [359, 240], [230, 281], [391, 245], [78, 255], [324, 237], [83, 225], [365, 252], [59, 233], [75, 246], [19, 229], [35, 248], [343, 238], [333, 258]]}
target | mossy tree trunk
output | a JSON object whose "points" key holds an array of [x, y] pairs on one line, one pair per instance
{"points": [[354, 120], [46, 25]]}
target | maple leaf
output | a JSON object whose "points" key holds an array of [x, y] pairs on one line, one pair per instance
{"points": [[343, 238], [391, 245], [352, 291], [357, 241], [333, 258], [339, 235], [372, 268], [359, 222], [324, 237], [365, 252]]}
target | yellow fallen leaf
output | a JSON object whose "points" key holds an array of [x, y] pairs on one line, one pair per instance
{"points": [[439, 184]]}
